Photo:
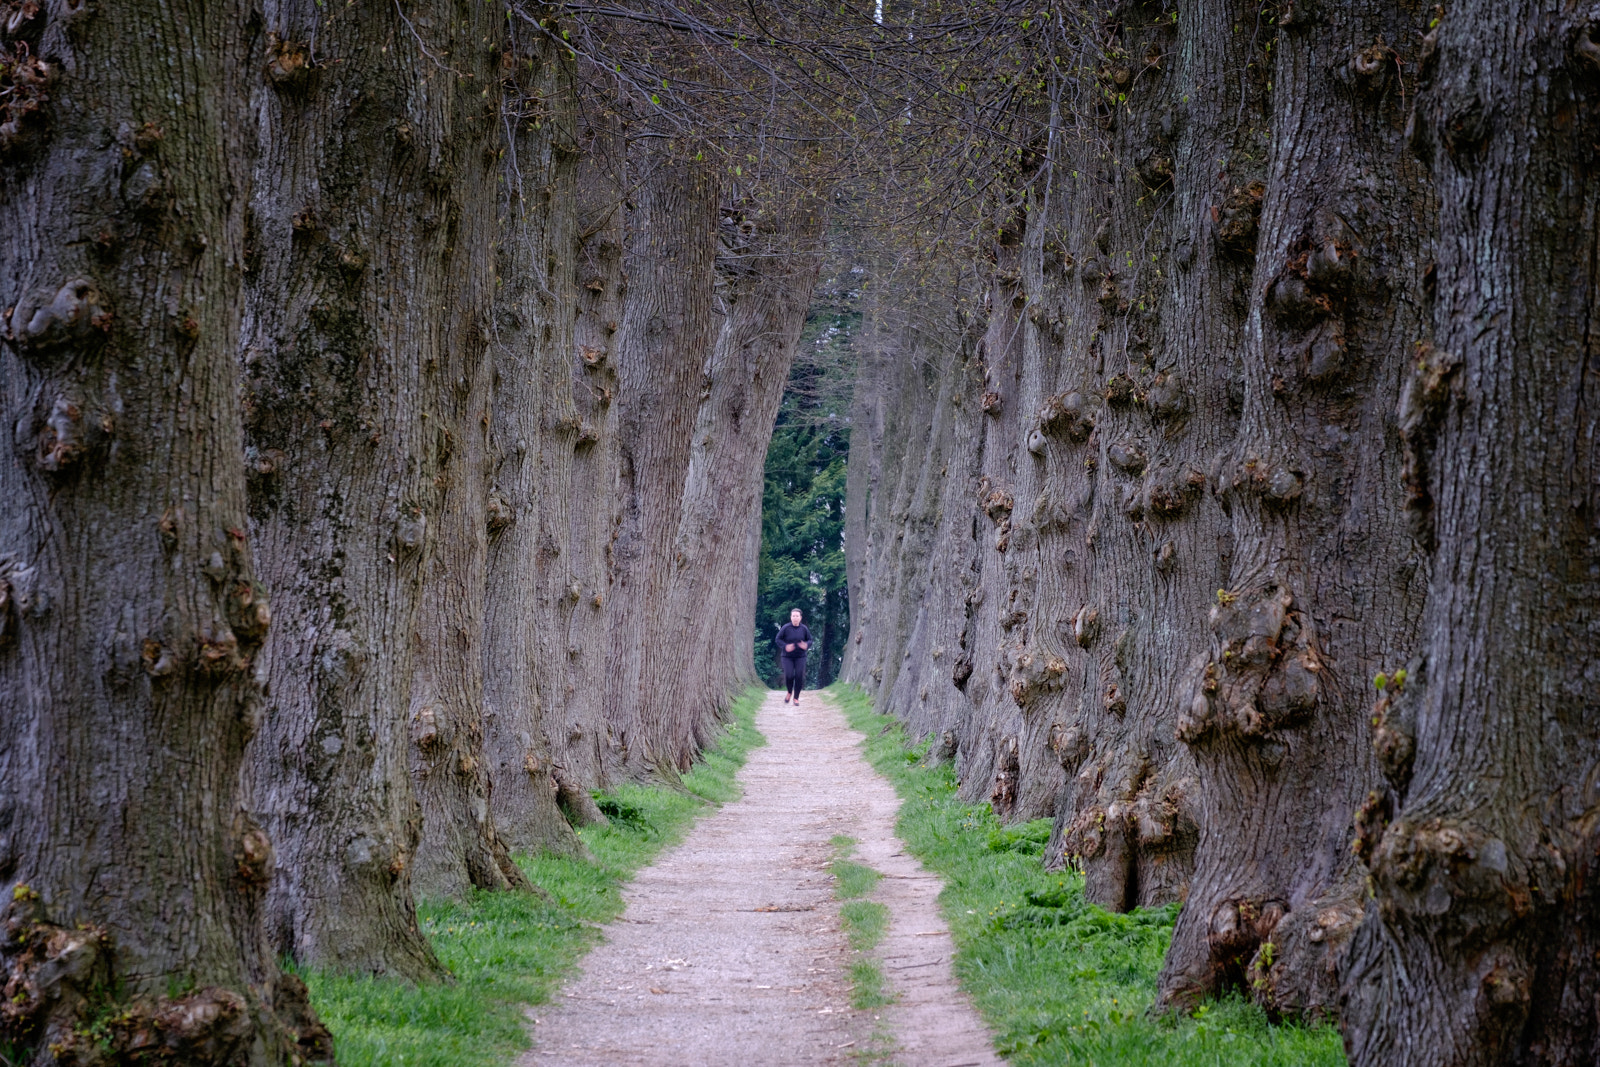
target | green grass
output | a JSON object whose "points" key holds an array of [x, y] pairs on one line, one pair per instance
{"points": [[864, 922], [851, 879], [1058, 979], [508, 950], [866, 985]]}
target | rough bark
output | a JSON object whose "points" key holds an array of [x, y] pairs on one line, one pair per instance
{"points": [[1324, 587], [1152, 406], [576, 651], [1479, 943], [534, 429], [130, 613], [769, 266], [461, 662], [1136, 557], [456, 657], [666, 331], [365, 294]]}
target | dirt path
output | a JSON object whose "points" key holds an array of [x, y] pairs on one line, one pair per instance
{"points": [[730, 950]]}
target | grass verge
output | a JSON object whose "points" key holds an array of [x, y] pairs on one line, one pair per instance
{"points": [[1058, 979], [509, 950], [865, 922], [866, 984]]}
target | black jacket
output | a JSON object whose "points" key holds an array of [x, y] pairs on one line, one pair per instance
{"points": [[790, 634]]}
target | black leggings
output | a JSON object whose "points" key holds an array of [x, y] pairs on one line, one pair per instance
{"points": [[794, 675]]}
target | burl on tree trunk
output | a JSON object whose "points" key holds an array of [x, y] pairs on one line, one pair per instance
{"points": [[367, 291], [130, 615], [1481, 944]]}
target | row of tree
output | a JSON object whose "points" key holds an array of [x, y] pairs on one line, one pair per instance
{"points": [[388, 387], [386, 392], [1243, 516]]}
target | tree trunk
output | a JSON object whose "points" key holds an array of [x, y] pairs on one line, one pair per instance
{"points": [[666, 331], [534, 427], [1147, 410], [1324, 586], [1479, 945], [457, 661], [831, 615], [584, 465], [769, 266], [130, 613], [460, 848], [367, 291], [1018, 670]]}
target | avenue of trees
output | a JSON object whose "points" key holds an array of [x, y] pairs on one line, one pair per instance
{"points": [[386, 408], [387, 390]]}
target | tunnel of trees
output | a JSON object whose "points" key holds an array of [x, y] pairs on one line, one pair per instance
{"points": [[388, 390]]}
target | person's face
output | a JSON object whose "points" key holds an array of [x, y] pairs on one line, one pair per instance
{"points": [[794, 617]]}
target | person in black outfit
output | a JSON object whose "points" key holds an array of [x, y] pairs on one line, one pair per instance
{"points": [[792, 642]]}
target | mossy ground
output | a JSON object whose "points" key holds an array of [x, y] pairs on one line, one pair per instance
{"points": [[510, 950], [1059, 980]]}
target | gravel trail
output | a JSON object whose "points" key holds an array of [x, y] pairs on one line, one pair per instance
{"points": [[730, 950]]}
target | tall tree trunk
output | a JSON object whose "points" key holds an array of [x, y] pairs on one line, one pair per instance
{"points": [[1017, 670], [458, 662], [769, 263], [1148, 409], [130, 613], [534, 427], [458, 658], [584, 471], [829, 647], [667, 330], [1324, 585], [374, 133], [1480, 944]]}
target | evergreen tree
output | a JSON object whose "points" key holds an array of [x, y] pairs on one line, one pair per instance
{"points": [[802, 508]]}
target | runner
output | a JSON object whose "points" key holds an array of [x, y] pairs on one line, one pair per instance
{"points": [[792, 642]]}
